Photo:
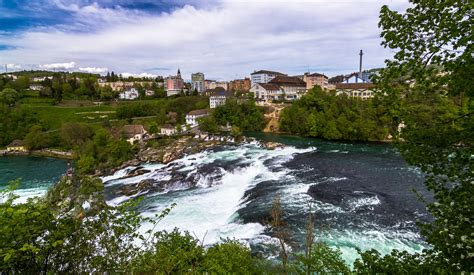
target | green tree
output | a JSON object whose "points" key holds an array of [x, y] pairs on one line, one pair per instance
{"points": [[9, 96], [428, 88], [75, 134], [228, 257], [36, 138], [171, 253]]}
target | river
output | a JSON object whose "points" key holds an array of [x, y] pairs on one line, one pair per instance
{"points": [[361, 194], [37, 174]]}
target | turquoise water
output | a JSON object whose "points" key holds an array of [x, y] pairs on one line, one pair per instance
{"points": [[360, 194], [36, 174]]}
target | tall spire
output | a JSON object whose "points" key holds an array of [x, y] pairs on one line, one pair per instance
{"points": [[179, 73], [360, 64]]}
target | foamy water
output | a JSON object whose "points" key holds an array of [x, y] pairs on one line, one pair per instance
{"points": [[209, 209]]}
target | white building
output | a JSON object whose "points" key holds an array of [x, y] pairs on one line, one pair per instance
{"points": [[290, 88], [218, 98], [129, 94], [263, 76], [266, 92], [36, 87], [149, 92], [40, 79], [133, 133], [360, 90], [193, 116], [168, 130]]}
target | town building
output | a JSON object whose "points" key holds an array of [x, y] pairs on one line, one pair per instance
{"points": [[315, 79], [41, 79], [263, 76], [240, 85], [360, 90], [174, 84], [133, 132], [36, 87], [149, 92], [16, 146], [212, 84], [168, 130], [193, 116], [122, 85], [264, 92], [217, 97], [129, 94], [292, 87], [197, 82]]}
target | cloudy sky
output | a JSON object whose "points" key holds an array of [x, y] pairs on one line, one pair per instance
{"points": [[225, 39]]}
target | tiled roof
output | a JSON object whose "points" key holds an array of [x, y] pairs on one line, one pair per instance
{"points": [[198, 112], [283, 80], [270, 87], [15, 143], [266, 72], [131, 130], [317, 74], [167, 126]]}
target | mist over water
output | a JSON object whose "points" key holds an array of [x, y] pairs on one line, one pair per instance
{"points": [[360, 194]]}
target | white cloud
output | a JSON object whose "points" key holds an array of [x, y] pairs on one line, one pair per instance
{"points": [[225, 41], [93, 70], [12, 66], [147, 75], [58, 66]]}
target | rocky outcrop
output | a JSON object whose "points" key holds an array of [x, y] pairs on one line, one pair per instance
{"points": [[270, 145], [146, 185]]}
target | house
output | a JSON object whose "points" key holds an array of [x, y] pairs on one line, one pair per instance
{"points": [[149, 92], [129, 94], [217, 97], [266, 92], [40, 79], [133, 132], [191, 117], [263, 76], [168, 130], [292, 87], [16, 146], [315, 79], [240, 85], [174, 84], [36, 87], [360, 90]]}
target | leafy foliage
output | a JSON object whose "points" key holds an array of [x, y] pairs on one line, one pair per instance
{"points": [[428, 89], [103, 151], [324, 115]]}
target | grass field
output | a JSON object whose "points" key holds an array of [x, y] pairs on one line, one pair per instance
{"points": [[53, 116]]}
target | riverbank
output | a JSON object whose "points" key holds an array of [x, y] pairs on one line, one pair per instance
{"points": [[48, 153]]}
